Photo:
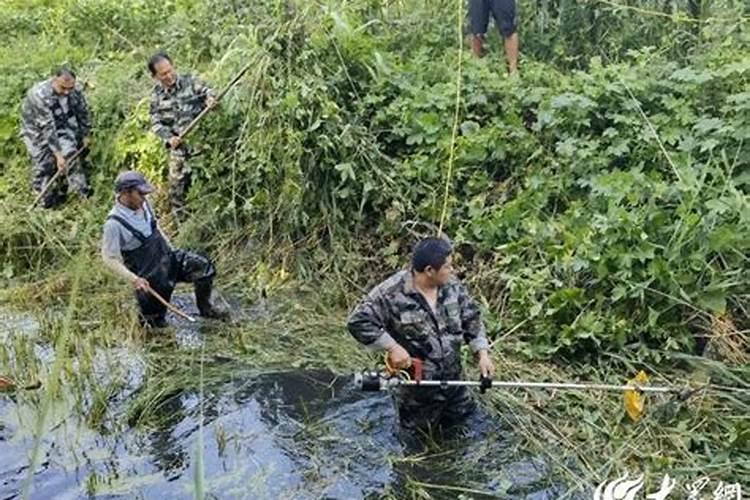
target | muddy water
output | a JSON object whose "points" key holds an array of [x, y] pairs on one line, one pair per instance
{"points": [[288, 434]]}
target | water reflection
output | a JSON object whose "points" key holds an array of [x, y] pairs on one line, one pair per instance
{"points": [[291, 434]]}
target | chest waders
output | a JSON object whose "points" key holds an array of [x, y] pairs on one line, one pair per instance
{"points": [[155, 262]]}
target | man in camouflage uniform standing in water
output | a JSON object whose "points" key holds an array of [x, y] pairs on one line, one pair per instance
{"points": [[55, 123], [425, 312], [176, 100]]}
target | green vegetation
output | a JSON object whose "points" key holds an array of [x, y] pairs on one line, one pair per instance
{"points": [[599, 203]]}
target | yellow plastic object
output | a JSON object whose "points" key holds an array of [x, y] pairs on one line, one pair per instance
{"points": [[634, 402]]}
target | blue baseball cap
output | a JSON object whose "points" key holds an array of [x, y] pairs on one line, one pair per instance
{"points": [[132, 180]]}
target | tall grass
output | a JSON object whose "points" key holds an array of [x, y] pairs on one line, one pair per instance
{"points": [[199, 479], [54, 384]]}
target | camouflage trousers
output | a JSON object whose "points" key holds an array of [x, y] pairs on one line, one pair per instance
{"points": [[422, 410], [44, 167], [179, 180]]}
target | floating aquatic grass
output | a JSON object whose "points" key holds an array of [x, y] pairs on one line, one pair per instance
{"points": [[199, 479], [53, 384]]}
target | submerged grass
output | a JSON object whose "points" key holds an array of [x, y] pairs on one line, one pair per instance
{"points": [[588, 437], [53, 382], [200, 473]]}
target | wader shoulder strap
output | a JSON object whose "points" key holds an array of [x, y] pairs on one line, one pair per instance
{"points": [[126, 225], [153, 217]]}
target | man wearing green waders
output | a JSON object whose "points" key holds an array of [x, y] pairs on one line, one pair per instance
{"points": [[425, 313], [134, 248]]}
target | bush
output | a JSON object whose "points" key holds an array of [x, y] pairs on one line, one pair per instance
{"points": [[574, 218]]}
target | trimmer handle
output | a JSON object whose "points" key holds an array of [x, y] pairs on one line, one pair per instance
{"points": [[484, 384], [369, 382], [417, 367]]}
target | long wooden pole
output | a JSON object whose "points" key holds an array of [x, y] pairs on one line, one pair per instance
{"points": [[169, 306], [221, 95], [56, 176]]}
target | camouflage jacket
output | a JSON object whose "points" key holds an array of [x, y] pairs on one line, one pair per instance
{"points": [[395, 310], [172, 109], [46, 117]]}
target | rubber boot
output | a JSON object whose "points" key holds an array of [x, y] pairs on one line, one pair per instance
{"points": [[476, 45], [203, 300]]}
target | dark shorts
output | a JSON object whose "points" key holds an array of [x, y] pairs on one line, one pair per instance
{"points": [[503, 11]]}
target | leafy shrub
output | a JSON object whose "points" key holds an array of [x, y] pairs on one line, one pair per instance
{"points": [[575, 220]]}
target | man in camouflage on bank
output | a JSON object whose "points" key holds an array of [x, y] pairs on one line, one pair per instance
{"points": [[425, 312], [55, 123], [176, 100]]}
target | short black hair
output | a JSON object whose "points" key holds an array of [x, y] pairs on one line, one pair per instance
{"points": [[432, 252], [65, 71], [156, 59]]}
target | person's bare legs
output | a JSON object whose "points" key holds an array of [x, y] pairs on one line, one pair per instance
{"points": [[511, 53], [476, 45]]}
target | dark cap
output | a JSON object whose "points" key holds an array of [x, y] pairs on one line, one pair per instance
{"points": [[132, 180]]}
